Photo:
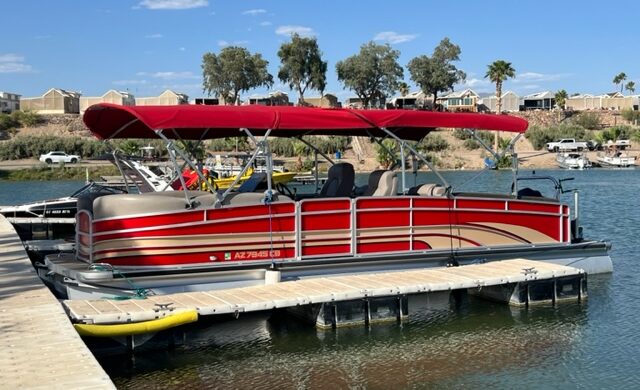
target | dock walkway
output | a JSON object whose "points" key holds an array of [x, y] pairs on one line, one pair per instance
{"points": [[316, 290], [39, 346]]}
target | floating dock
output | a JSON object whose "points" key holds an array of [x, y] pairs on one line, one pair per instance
{"points": [[516, 281], [40, 347]]}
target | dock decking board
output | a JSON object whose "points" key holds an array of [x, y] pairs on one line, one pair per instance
{"points": [[321, 289], [40, 348]]}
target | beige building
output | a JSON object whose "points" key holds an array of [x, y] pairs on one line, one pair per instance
{"points": [[412, 101], [609, 101], [166, 98], [466, 100], [111, 96], [276, 98], [510, 102], [9, 102], [54, 101], [326, 101]]}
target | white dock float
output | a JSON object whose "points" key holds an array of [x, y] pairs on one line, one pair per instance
{"points": [[40, 348], [317, 290]]}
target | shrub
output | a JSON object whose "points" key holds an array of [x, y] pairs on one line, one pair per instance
{"points": [[631, 115], [433, 143], [617, 132], [8, 122], [26, 118], [588, 120]]}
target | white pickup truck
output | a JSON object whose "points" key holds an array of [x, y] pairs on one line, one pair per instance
{"points": [[567, 145], [57, 157]]}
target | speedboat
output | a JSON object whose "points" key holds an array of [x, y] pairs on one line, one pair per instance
{"points": [[192, 240], [573, 161]]}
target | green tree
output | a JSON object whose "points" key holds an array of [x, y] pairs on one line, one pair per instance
{"points": [[403, 88], [302, 66], [437, 73], [620, 79], [232, 71], [630, 86], [561, 98], [129, 147], [373, 73], [387, 153], [498, 72]]}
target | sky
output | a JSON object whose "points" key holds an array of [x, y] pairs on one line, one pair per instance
{"points": [[147, 46]]}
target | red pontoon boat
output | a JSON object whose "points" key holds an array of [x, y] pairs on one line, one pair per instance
{"points": [[182, 240]]}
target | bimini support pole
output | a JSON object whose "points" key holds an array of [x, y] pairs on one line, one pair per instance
{"points": [[419, 156], [260, 145]]}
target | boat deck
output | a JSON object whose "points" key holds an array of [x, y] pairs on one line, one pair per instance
{"points": [[40, 348], [316, 290]]}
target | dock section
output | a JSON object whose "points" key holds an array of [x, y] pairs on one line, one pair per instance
{"points": [[40, 348], [321, 290]]}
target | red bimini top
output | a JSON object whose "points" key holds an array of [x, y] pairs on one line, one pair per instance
{"points": [[107, 121]]}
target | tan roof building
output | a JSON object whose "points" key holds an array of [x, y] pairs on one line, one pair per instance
{"points": [[466, 100], [166, 98], [54, 101], [510, 102], [111, 96], [9, 102], [413, 100], [327, 101], [608, 101], [275, 98]]}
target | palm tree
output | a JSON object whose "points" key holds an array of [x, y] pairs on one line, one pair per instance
{"points": [[498, 72], [631, 86], [561, 98], [403, 88], [619, 79]]}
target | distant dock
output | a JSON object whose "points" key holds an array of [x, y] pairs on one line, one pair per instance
{"points": [[40, 348]]}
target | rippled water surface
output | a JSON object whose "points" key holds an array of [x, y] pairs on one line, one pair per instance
{"points": [[594, 344]]}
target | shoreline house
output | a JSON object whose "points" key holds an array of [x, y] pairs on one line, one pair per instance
{"points": [[111, 96], [510, 103], [465, 101], [608, 101], [206, 101], [275, 98], [9, 102], [412, 101], [327, 100], [539, 101], [166, 98], [356, 102], [54, 101]]}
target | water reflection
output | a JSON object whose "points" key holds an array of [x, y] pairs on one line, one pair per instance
{"points": [[432, 349]]}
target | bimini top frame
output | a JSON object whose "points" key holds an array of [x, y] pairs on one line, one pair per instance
{"points": [[191, 122]]}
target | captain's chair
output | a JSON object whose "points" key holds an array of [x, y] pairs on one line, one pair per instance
{"points": [[340, 179], [382, 183]]}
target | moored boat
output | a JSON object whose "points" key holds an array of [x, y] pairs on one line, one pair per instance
{"points": [[573, 161], [183, 240]]}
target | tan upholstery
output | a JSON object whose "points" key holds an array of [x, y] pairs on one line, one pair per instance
{"points": [[387, 185], [247, 198], [128, 204], [431, 189]]}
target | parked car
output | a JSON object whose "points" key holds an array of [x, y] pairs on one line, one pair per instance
{"points": [[567, 145], [57, 157], [594, 145]]}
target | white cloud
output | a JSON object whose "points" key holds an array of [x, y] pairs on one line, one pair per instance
{"points": [[223, 43], [254, 12], [475, 83], [173, 4], [182, 48], [13, 63], [393, 37], [265, 24], [531, 86], [129, 82], [169, 75], [300, 30], [153, 36], [529, 77]]}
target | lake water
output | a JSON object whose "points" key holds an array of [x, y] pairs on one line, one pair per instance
{"points": [[594, 344]]}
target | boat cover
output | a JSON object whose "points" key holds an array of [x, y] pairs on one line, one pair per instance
{"points": [[108, 121]]}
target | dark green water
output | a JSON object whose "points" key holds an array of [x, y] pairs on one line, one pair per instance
{"points": [[594, 344]]}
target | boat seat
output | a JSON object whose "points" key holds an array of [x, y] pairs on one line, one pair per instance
{"points": [[340, 180], [428, 189], [386, 184], [153, 202]]}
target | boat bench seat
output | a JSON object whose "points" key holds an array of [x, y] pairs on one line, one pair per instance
{"points": [[158, 202], [428, 189]]}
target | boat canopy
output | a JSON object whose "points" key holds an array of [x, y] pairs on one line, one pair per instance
{"points": [[107, 121]]}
